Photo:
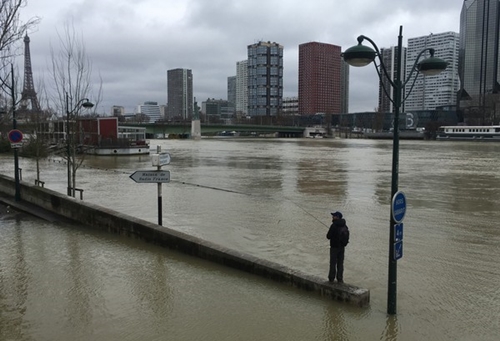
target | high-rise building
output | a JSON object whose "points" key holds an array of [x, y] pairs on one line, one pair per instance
{"points": [[218, 108], [242, 88], [265, 79], [180, 93], [320, 78], [390, 60], [291, 106], [431, 92], [151, 110], [231, 90], [117, 110], [479, 62]]}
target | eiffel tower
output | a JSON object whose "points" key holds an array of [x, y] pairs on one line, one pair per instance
{"points": [[28, 94]]}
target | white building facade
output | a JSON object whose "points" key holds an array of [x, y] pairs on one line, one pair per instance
{"points": [[290, 105], [151, 110], [431, 92], [242, 88], [390, 60]]}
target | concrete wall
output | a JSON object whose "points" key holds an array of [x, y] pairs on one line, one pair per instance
{"points": [[112, 221]]}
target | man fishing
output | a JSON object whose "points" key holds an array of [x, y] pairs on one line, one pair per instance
{"points": [[339, 237]]}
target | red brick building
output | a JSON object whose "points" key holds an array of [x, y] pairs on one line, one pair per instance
{"points": [[320, 70]]}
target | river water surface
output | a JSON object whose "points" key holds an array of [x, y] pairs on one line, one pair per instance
{"points": [[271, 198]]}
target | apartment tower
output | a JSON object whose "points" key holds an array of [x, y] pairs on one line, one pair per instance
{"points": [[180, 93], [265, 79], [390, 60], [320, 74], [242, 88], [431, 92]]}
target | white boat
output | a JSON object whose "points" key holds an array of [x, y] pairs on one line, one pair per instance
{"points": [[119, 150], [469, 133], [315, 132], [403, 135]]}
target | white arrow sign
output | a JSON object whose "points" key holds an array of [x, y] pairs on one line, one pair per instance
{"points": [[154, 176]]}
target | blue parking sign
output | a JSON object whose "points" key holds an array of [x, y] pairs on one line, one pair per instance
{"points": [[398, 206]]}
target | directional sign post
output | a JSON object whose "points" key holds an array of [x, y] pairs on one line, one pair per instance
{"points": [[155, 176], [150, 176], [161, 159]]}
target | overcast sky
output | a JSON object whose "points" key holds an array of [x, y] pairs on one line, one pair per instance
{"points": [[132, 43]]}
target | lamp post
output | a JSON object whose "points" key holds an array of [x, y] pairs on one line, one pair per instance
{"points": [[17, 195], [361, 55], [84, 102]]}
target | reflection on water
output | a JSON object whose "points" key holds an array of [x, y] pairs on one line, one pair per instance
{"points": [[270, 198]]}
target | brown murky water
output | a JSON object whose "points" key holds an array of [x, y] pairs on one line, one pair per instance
{"points": [[270, 198]]}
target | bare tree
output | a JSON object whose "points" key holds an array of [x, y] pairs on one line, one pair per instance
{"points": [[71, 73], [38, 124]]}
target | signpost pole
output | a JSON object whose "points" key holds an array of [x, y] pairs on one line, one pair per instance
{"points": [[158, 150], [155, 176]]}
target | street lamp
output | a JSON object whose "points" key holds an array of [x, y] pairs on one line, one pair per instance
{"points": [[17, 195], [84, 102], [361, 55]]}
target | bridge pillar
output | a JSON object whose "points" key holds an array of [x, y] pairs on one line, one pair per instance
{"points": [[195, 129]]}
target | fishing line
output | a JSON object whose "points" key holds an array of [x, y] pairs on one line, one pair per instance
{"points": [[212, 188], [209, 187], [175, 181]]}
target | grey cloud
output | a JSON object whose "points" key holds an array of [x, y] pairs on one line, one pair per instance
{"points": [[133, 43]]}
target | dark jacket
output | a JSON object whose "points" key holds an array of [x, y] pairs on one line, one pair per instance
{"points": [[333, 232]]}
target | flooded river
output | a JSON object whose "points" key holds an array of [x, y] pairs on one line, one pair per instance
{"points": [[271, 198]]}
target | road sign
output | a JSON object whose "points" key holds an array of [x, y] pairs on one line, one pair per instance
{"points": [[398, 206], [154, 176], [15, 136], [398, 250], [398, 232], [160, 159]]}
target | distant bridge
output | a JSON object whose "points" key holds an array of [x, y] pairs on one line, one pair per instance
{"points": [[155, 129]]}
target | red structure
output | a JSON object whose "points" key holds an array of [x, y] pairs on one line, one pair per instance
{"points": [[99, 131], [319, 78]]}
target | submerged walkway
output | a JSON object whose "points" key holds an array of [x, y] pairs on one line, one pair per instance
{"points": [[54, 207]]}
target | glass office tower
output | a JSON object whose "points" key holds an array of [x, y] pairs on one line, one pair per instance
{"points": [[479, 64]]}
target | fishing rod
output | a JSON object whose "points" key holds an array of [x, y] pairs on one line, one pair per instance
{"points": [[307, 212]]}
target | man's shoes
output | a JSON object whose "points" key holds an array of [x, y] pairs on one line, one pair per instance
{"points": [[340, 281]]}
